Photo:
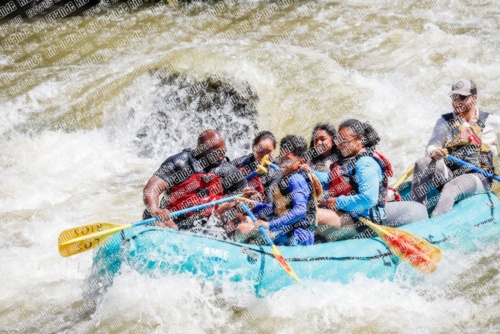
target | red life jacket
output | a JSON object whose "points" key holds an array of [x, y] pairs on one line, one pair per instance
{"points": [[197, 189], [255, 182], [342, 178], [338, 184]]}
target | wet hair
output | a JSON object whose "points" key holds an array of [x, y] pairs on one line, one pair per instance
{"points": [[295, 144], [358, 128], [328, 128], [263, 135]]}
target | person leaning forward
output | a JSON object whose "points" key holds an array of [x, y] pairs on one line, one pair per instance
{"points": [[469, 134], [264, 144], [190, 178], [260, 187], [292, 212]]}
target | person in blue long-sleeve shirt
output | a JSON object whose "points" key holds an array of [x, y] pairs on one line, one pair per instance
{"points": [[368, 175], [357, 184], [293, 209]]}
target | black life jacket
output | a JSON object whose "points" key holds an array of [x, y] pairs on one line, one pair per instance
{"points": [[346, 167], [282, 201], [470, 149], [261, 183], [247, 167]]}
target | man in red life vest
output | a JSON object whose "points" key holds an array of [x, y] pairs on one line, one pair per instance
{"points": [[190, 178]]}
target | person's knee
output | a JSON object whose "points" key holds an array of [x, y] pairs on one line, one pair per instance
{"points": [[424, 168], [419, 211], [449, 189], [423, 162], [242, 228], [458, 186]]}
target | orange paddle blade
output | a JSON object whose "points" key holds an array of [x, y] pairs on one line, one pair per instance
{"points": [[410, 248], [284, 264]]}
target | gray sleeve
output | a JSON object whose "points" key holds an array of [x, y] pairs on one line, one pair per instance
{"points": [[441, 134]]}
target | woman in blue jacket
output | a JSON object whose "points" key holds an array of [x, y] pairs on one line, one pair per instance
{"points": [[357, 184]]}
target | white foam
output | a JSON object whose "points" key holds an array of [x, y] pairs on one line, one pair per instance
{"points": [[395, 76]]}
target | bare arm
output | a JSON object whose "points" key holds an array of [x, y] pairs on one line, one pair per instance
{"points": [[152, 192], [151, 196]]}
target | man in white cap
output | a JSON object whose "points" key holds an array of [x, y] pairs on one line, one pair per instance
{"points": [[468, 134]]}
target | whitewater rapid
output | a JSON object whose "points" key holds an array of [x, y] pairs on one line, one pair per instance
{"points": [[83, 130]]}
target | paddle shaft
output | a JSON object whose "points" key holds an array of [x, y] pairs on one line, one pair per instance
{"points": [[254, 219], [267, 163], [118, 228], [194, 208], [474, 168], [277, 254], [251, 176], [262, 170], [275, 167]]}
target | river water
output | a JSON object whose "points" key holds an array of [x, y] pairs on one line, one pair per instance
{"points": [[87, 118]]}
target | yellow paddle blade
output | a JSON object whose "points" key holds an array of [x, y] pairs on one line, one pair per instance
{"points": [[418, 252], [284, 264], [81, 231], [82, 238]]}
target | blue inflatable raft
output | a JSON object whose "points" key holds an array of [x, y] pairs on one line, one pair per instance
{"points": [[155, 251]]}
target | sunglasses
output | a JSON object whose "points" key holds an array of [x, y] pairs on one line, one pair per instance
{"points": [[285, 161], [454, 97], [338, 141]]}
